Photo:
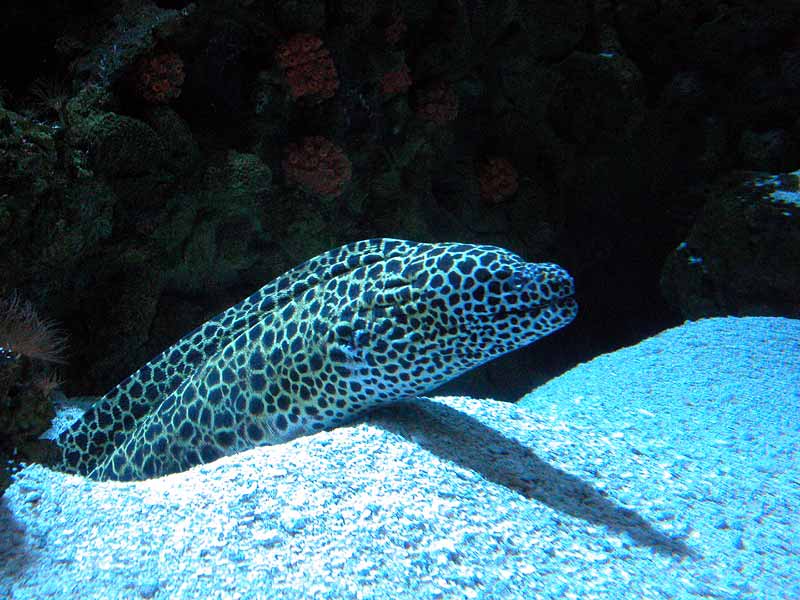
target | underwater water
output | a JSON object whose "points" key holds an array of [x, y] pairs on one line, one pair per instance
{"points": [[162, 159], [664, 470]]}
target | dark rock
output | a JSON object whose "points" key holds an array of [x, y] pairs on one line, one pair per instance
{"points": [[742, 255]]}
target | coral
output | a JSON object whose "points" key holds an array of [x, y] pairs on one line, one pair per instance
{"points": [[597, 100], [180, 148], [122, 146], [395, 30], [498, 180], [396, 82], [355, 16], [300, 15], [29, 345], [437, 103], [554, 28], [237, 187], [25, 414], [317, 165], [24, 333], [159, 78], [309, 68], [28, 159]]}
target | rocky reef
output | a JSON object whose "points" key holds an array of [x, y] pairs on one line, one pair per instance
{"points": [[159, 160]]}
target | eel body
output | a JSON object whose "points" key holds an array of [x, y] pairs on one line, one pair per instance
{"points": [[368, 323]]}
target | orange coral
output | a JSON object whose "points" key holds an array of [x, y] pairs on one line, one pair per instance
{"points": [[498, 180], [159, 78], [318, 165], [395, 30], [308, 65], [24, 333], [396, 82]]}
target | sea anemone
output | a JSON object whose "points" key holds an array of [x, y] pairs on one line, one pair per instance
{"points": [[24, 333], [50, 96]]}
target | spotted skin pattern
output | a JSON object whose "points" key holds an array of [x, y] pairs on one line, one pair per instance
{"points": [[368, 323]]}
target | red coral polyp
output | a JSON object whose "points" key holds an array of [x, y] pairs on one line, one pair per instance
{"points": [[317, 165], [437, 103], [498, 180], [309, 67], [159, 78], [395, 30], [396, 82]]}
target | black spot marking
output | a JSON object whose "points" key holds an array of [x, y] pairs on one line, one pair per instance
{"points": [[104, 419], [209, 453], [336, 354], [228, 376], [186, 430], [258, 382], [255, 433], [256, 406], [225, 438], [215, 396], [99, 438], [257, 361], [284, 402], [315, 361], [276, 356], [467, 266], [223, 419]]}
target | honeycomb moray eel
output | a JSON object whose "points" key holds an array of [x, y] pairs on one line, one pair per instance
{"points": [[368, 323]]}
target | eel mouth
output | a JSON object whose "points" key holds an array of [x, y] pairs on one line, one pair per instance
{"points": [[564, 304]]}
